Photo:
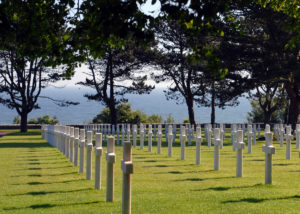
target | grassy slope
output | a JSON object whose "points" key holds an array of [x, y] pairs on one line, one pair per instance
{"points": [[36, 178]]}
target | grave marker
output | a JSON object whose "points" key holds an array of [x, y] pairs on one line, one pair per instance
{"points": [[250, 137], [269, 150], [111, 159], [240, 145], [134, 135], [127, 168], [71, 158], [98, 157], [159, 135], [198, 140], [81, 150], [183, 139], [89, 148], [76, 146], [289, 137], [142, 136], [170, 140], [150, 138], [217, 142]]}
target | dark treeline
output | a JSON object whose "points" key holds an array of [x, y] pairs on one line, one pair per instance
{"points": [[210, 52]]}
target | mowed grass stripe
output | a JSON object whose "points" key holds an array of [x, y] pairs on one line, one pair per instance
{"points": [[37, 178]]}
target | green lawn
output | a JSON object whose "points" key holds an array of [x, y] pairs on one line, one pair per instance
{"points": [[36, 178]]}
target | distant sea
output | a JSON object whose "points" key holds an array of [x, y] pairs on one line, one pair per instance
{"points": [[154, 103]]}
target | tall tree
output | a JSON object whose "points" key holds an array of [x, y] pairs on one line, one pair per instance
{"points": [[270, 98], [116, 74], [174, 66], [32, 42]]}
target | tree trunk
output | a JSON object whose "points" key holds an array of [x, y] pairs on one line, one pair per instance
{"points": [[294, 114], [23, 125], [213, 106], [267, 118], [112, 103], [293, 91], [190, 105], [113, 114]]}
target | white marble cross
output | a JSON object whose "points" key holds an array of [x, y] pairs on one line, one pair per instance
{"points": [[289, 137], [281, 134], [67, 141], [128, 132], [222, 135], [209, 133], [159, 135], [234, 136], [89, 148], [250, 136], [81, 150], [198, 140], [239, 145], [127, 168], [150, 133], [134, 135], [111, 159], [123, 134], [142, 133], [183, 138], [217, 142], [71, 157], [269, 150], [98, 157], [170, 140], [76, 146]]}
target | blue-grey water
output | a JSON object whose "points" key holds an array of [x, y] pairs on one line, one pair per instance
{"points": [[154, 103]]}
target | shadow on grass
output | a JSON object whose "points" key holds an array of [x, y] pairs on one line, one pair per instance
{"points": [[43, 206], [203, 179], [148, 161], [24, 145], [55, 182], [283, 164], [175, 172], [24, 134], [258, 160], [228, 188], [259, 200], [51, 192]]}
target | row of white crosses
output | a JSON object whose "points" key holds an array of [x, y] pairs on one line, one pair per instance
{"points": [[125, 131], [66, 139]]}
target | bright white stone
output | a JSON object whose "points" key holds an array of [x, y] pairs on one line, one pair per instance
{"points": [[159, 135], [111, 159], [269, 149], [127, 168], [170, 141], [240, 145], [150, 133], [142, 133], [183, 138], [98, 156], [89, 148], [198, 140], [81, 149], [289, 137], [217, 142]]}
